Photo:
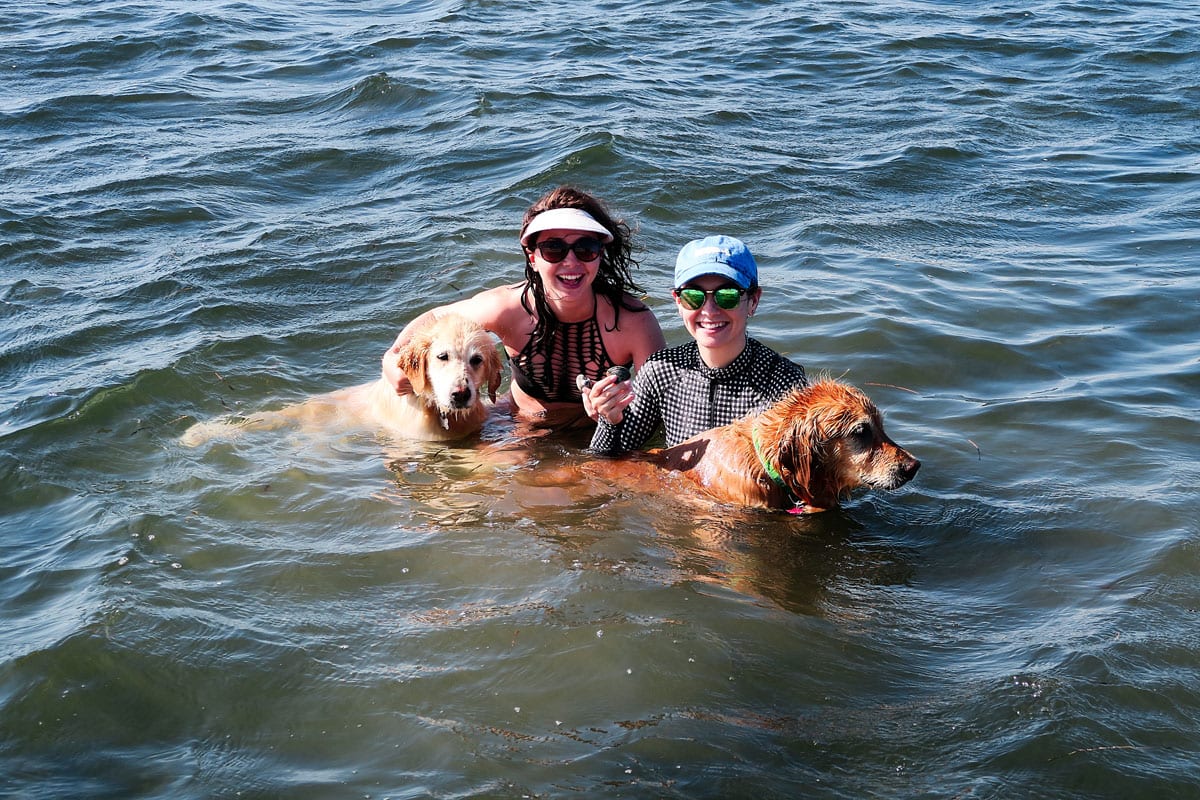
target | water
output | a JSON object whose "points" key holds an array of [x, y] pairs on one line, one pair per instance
{"points": [[984, 214]]}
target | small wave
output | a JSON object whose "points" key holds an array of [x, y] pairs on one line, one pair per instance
{"points": [[380, 92], [92, 108]]}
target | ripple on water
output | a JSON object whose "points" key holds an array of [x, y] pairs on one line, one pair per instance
{"points": [[984, 217]]}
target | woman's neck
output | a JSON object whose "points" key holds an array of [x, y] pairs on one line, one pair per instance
{"points": [[574, 309], [718, 357]]}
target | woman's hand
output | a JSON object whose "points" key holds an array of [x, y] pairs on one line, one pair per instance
{"points": [[392, 374], [607, 398]]}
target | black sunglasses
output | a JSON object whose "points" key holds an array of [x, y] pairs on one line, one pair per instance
{"points": [[585, 248], [726, 297]]}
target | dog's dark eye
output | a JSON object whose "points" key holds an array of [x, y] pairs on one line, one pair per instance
{"points": [[476, 360], [861, 431], [443, 356]]}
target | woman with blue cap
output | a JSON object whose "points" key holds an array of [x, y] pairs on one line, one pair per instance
{"points": [[575, 312], [721, 375]]}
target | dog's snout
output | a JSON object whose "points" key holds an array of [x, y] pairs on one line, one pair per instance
{"points": [[909, 467], [461, 398]]}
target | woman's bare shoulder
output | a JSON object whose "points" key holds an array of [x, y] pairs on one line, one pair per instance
{"points": [[498, 309], [636, 333], [488, 305], [637, 315]]}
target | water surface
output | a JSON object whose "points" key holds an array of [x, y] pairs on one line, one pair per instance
{"points": [[984, 214]]}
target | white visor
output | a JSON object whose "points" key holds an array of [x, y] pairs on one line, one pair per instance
{"points": [[566, 219]]}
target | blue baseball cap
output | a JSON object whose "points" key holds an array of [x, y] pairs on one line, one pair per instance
{"points": [[716, 255]]}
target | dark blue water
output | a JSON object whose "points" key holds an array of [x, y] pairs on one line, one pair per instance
{"points": [[984, 214]]}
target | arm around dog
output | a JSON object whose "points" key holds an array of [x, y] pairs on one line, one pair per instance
{"points": [[392, 374], [493, 309]]}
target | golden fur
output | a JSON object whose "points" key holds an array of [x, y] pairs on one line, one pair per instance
{"points": [[451, 362], [822, 441]]}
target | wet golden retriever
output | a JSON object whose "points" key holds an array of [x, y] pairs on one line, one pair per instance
{"points": [[804, 454], [451, 363]]}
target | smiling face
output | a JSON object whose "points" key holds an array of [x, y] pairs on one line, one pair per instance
{"points": [[570, 279], [719, 332]]}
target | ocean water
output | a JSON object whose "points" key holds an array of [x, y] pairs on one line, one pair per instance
{"points": [[985, 214]]}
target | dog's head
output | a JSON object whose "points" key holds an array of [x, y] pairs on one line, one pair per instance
{"points": [[450, 361], [827, 439]]}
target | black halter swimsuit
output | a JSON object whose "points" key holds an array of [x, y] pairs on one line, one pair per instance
{"points": [[548, 373]]}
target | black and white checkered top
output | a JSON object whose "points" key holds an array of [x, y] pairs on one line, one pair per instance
{"points": [[677, 392]]}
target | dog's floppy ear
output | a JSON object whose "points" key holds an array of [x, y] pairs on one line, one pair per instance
{"points": [[797, 454], [493, 368], [790, 442], [412, 360]]}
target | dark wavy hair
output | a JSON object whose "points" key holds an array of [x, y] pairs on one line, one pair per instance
{"points": [[613, 280]]}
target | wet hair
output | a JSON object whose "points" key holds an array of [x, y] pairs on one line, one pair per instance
{"points": [[613, 280]]}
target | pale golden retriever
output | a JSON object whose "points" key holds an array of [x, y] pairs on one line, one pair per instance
{"points": [[451, 363], [803, 454]]}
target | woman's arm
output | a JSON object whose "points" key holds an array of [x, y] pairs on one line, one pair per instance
{"points": [[491, 308], [626, 423]]}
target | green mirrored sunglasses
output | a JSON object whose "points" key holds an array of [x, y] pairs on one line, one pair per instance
{"points": [[726, 297]]}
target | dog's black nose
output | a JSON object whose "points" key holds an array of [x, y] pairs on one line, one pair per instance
{"points": [[909, 468], [461, 398]]}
